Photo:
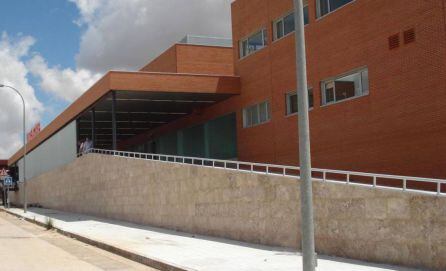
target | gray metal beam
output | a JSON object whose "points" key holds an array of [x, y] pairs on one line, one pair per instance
{"points": [[114, 137], [93, 127]]}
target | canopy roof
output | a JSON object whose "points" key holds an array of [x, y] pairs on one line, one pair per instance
{"points": [[144, 100]]}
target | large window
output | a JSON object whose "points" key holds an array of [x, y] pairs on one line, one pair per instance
{"points": [[253, 43], [291, 102], [327, 6], [345, 87], [285, 25], [256, 114]]}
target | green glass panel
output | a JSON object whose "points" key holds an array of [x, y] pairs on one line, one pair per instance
{"points": [[222, 137]]}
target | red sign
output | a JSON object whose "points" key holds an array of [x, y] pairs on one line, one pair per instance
{"points": [[34, 131]]}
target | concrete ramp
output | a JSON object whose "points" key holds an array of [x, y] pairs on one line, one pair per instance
{"points": [[351, 221]]}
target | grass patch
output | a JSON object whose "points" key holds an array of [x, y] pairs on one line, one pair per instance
{"points": [[49, 224]]}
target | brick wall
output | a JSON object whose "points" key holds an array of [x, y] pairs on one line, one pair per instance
{"points": [[399, 128], [187, 58]]}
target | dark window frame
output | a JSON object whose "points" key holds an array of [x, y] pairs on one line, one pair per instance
{"points": [[288, 103], [281, 21], [244, 46], [253, 112], [362, 73], [322, 13]]}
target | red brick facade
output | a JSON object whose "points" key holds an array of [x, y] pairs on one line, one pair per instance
{"points": [[398, 128]]}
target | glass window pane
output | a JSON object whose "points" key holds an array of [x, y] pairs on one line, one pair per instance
{"points": [[263, 112], [279, 29], [268, 110], [335, 4], [255, 42], [292, 100], [347, 87], [310, 98], [246, 117], [255, 115], [329, 92], [243, 48], [306, 15], [365, 81], [288, 24], [323, 7]]}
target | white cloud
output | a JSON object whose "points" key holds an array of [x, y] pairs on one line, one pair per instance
{"points": [[14, 72], [87, 9], [66, 84], [126, 34]]}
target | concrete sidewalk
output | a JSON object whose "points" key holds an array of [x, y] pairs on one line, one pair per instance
{"points": [[170, 250]]}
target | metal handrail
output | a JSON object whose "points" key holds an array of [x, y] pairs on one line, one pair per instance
{"points": [[283, 170]]}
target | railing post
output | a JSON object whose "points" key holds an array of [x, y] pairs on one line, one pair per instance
{"points": [[267, 169], [438, 188], [348, 178], [324, 175], [404, 184], [374, 181]]}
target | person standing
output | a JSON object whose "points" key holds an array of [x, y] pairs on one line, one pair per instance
{"points": [[87, 145], [81, 147]]}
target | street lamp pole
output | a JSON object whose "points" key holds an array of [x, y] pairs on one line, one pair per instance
{"points": [[308, 247], [24, 146]]}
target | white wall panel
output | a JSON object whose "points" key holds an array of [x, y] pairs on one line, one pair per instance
{"points": [[58, 150]]}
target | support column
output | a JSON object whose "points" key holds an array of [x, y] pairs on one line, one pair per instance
{"points": [[207, 143], [78, 134], [93, 127], [180, 143], [114, 136]]}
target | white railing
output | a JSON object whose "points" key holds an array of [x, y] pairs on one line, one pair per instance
{"points": [[382, 181]]}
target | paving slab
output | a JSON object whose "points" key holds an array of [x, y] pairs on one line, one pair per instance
{"points": [[183, 251], [25, 246]]}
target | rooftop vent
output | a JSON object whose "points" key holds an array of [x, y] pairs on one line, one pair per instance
{"points": [[206, 41], [409, 36], [394, 41]]}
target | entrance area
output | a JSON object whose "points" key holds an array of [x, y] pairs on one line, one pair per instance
{"points": [[215, 139]]}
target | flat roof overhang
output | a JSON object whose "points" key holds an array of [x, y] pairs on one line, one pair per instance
{"points": [[140, 95]]}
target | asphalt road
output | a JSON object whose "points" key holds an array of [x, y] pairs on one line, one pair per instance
{"points": [[25, 246]]}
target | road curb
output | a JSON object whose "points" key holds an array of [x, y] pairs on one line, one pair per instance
{"points": [[151, 262]]}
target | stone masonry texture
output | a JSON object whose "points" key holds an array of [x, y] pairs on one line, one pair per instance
{"points": [[351, 221]]}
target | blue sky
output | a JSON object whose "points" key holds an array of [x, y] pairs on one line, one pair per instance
{"points": [[52, 24]]}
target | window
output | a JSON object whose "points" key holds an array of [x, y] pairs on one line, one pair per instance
{"points": [[256, 114], [326, 6], [291, 102], [253, 43], [353, 85], [285, 25]]}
